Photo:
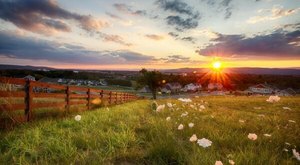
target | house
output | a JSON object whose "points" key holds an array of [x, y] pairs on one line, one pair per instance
{"points": [[47, 80], [173, 87], [29, 77], [261, 89], [191, 87], [214, 86], [145, 89], [286, 92]]}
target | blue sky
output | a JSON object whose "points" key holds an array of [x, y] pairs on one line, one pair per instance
{"points": [[100, 34]]}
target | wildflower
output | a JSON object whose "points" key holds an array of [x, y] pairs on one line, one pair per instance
{"points": [[267, 135], [292, 121], [296, 154], [273, 99], [286, 108], [204, 142], [286, 150], [218, 163], [193, 138], [241, 121], [160, 108], [180, 127], [252, 136], [168, 118], [202, 107], [231, 162], [191, 125], [186, 100], [169, 105], [77, 117], [184, 114]]}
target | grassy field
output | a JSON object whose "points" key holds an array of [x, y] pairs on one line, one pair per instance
{"points": [[132, 133]]}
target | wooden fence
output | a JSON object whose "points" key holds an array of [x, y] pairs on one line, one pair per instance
{"points": [[71, 95]]}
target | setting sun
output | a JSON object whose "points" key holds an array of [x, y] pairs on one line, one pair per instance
{"points": [[216, 65]]}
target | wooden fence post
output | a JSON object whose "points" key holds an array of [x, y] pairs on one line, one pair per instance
{"points": [[101, 95], [110, 97], [68, 99], [28, 100], [89, 99], [116, 101]]}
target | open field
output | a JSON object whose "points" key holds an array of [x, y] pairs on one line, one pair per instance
{"points": [[132, 133]]}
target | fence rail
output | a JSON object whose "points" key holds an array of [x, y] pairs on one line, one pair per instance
{"points": [[71, 95]]}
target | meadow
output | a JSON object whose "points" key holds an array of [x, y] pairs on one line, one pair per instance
{"points": [[135, 133]]}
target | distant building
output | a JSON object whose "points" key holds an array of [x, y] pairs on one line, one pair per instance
{"points": [[145, 89], [173, 87], [286, 92], [191, 87], [29, 77], [261, 89], [214, 86]]}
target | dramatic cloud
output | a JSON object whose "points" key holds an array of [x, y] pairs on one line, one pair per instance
{"points": [[189, 39], [154, 37], [182, 24], [185, 18], [20, 47], [113, 38], [221, 5], [128, 9], [44, 16], [278, 44], [272, 14], [176, 59]]}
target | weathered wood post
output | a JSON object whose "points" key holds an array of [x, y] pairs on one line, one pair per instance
{"points": [[89, 99], [68, 92], [28, 100], [116, 101], [110, 98]]}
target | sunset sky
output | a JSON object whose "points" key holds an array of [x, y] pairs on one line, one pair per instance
{"points": [[156, 34]]}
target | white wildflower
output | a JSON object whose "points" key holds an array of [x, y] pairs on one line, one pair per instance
{"points": [[168, 118], [218, 163], [241, 121], [169, 105], [292, 121], [180, 127], [204, 142], [252, 136], [186, 100], [202, 107], [193, 138], [267, 135], [286, 108], [273, 99], [231, 162], [184, 114], [77, 117], [296, 154], [160, 108], [191, 125]]}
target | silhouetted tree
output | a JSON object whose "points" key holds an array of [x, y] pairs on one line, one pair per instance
{"points": [[153, 79]]}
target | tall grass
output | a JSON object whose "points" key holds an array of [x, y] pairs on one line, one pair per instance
{"points": [[132, 133]]}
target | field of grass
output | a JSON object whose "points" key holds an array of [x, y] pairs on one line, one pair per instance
{"points": [[132, 133]]}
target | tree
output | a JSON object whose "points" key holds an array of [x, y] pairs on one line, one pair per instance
{"points": [[153, 79]]}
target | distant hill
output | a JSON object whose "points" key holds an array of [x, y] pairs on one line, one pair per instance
{"points": [[269, 71], [26, 67]]}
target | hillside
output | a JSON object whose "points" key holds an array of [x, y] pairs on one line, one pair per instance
{"points": [[132, 133]]}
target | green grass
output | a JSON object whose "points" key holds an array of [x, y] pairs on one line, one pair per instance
{"points": [[134, 134]]}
